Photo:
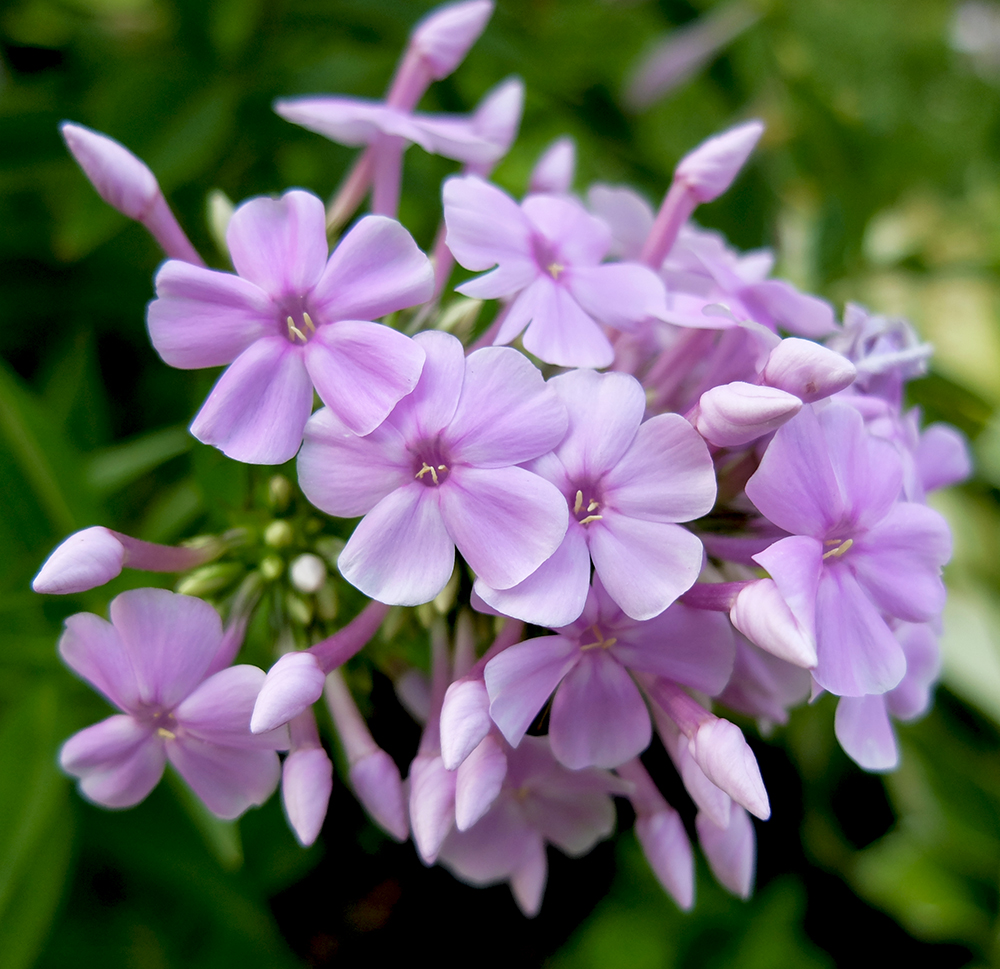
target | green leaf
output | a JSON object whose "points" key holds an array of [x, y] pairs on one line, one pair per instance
{"points": [[114, 468]]}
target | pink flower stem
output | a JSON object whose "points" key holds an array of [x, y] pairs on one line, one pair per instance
{"points": [[678, 204], [714, 596], [351, 727], [162, 224], [351, 193]]}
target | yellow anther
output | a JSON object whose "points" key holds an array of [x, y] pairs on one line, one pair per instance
{"points": [[310, 326], [442, 467], [578, 504], [427, 469], [601, 641], [590, 518], [593, 506], [839, 550], [166, 734], [295, 332], [555, 269]]}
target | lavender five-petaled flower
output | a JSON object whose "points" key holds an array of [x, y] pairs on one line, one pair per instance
{"points": [[547, 252], [441, 472], [293, 319], [626, 484], [152, 662], [855, 553]]}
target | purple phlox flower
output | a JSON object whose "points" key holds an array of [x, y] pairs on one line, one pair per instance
{"points": [[715, 745], [863, 725], [296, 680], [554, 170], [294, 318], [153, 661], [627, 215], [437, 46], [441, 473], [683, 52], [540, 802], [660, 831], [598, 717], [886, 351], [373, 774], [127, 184], [548, 254], [856, 553], [306, 780], [95, 555], [626, 484]]}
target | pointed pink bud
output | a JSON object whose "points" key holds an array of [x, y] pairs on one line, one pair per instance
{"points": [[121, 179], [83, 561], [127, 184], [710, 169], [728, 762], [306, 783], [444, 36], [738, 413], [465, 720], [668, 851], [379, 788], [762, 615], [498, 117], [731, 851], [553, 172], [294, 683], [808, 370], [478, 782], [432, 804], [865, 732]]}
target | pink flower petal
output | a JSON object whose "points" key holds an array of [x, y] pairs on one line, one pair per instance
{"points": [[857, 652], [527, 881], [306, 784], [400, 553], [560, 332], [431, 406], [505, 521], [621, 294], [796, 564], [465, 720], [376, 781], [205, 318], [92, 648], [555, 593], [118, 761], [170, 641], [227, 779], [667, 849], [665, 475], [864, 731], [486, 227], [576, 237], [644, 565], [605, 411], [279, 244], [219, 711], [362, 370], [598, 717], [257, 410], [432, 805], [506, 414], [731, 852], [350, 121], [478, 782], [522, 678], [376, 269]]}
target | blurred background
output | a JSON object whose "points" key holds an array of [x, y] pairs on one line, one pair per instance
{"points": [[878, 181]]}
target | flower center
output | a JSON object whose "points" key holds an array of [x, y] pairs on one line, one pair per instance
{"points": [[600, 642], [547, 257], [430, 465], [294, 321], [166, 725], [585, 508], [842, 546]]}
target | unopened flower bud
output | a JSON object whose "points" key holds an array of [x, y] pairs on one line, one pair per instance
{"points": [[444, 36], [731, 851], [279, 534], [479, 779], [738, 413], [554, 171], [210, 579], [432, 804], [279, 492], [728, 762], [865, 732], [307, 572], [808, 370], [710, 169], [294, 683], [762, 615], [83, 561], [306, 783]]}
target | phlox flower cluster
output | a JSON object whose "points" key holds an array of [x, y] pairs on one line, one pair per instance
{"points": [[698, 485]]}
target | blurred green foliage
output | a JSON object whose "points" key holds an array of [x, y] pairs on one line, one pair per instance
{"points": [[878, 181]]}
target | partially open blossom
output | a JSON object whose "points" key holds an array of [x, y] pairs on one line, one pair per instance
{"points": [[151, 661], [294, 318]]}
